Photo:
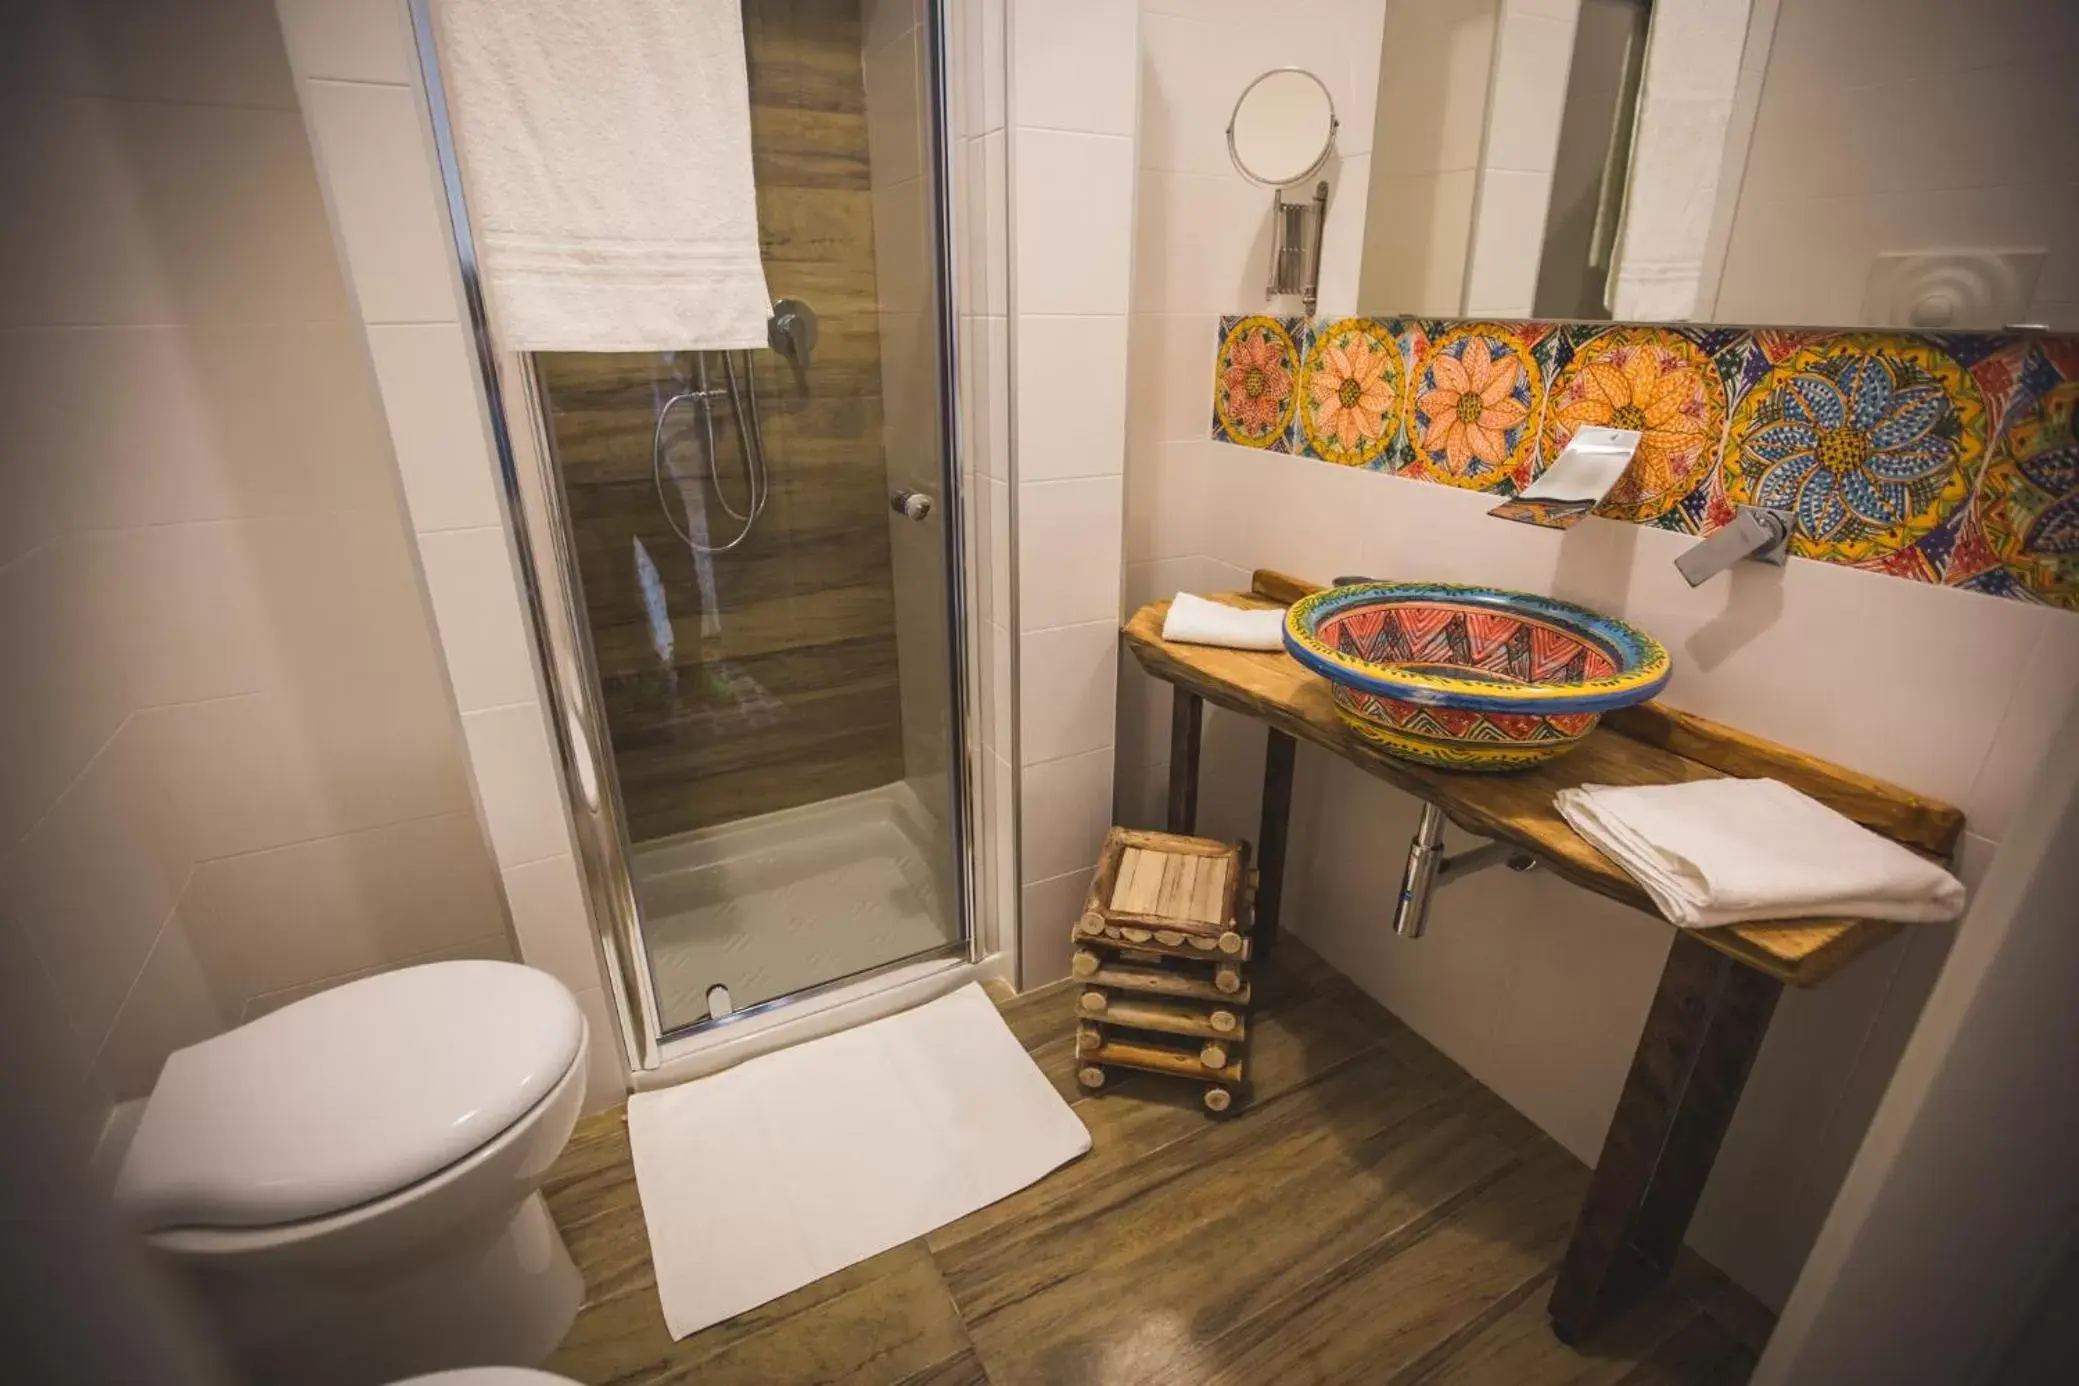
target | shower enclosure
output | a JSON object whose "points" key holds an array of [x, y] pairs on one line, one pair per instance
{"points": [[747, 563]]}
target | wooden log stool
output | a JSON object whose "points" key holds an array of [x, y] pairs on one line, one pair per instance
{"points": [[1162, 949]]}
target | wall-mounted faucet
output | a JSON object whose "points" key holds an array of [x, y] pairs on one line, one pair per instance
{"points": [[1759, 532]]}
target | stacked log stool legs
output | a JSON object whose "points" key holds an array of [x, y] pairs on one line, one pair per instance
{"points": [[1162, 949]]}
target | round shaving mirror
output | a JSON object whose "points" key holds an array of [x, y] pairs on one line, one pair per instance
{"points": [[1283, 127]]}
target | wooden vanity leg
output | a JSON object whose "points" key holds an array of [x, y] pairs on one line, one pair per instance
{"points": [[1187, 712], [1702, 1033], [1270, 839]]}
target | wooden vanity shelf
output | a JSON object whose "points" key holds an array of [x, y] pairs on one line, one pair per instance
{"points": [[1718, 988], [1162, 947]]}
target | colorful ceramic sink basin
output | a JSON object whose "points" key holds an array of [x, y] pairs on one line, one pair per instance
{"points": [[1471, 678]]}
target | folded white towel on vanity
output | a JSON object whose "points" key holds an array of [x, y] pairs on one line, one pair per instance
{"points": [[606, 154], [1722, 851], [1196, 621]]}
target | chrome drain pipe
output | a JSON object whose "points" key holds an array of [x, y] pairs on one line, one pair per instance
{"points": [[1427, 865]]}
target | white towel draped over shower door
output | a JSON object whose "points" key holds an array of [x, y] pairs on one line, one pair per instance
{"points": [[606, 157]]}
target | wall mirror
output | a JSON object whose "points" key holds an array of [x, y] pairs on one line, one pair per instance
{"points": [[1283, 128], [1821, 162]]}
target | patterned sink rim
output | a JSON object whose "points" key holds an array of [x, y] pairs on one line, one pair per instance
{"points": [[1643, 663]]}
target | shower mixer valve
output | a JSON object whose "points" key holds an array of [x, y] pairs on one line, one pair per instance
{"points": [[792, 333]]}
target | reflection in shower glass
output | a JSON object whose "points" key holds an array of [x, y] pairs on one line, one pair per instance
{"points": [[770, 638]]}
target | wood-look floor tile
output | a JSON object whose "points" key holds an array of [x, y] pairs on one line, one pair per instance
{"points": [[1133, 1121], [1374, 1216], [1215, 1228], [1387, 1308], [1518, 1345], [964, 1370], [1702, 1353]]}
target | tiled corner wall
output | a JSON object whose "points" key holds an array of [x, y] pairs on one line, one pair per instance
{"points": [[357, 74], [1200, 241], [1947, 459], [1073, 68], [230, 773]]}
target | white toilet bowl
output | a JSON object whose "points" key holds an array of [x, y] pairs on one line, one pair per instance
{"points": [[351, 1183]]}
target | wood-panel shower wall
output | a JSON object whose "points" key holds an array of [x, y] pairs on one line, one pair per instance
{"points": [[774, 682]]}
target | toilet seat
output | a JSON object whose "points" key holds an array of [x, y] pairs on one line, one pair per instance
{"points": [[348, 1097]]}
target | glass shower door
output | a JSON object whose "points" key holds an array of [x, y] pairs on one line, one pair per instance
{"points": [[761, 546]]}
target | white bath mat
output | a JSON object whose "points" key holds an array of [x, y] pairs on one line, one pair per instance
{"points": [[788, 1167]]}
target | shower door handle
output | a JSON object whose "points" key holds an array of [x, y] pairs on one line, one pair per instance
{"points": [[911, 505]]}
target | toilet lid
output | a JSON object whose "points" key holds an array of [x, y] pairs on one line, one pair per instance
{"points": [[347, 1096]]}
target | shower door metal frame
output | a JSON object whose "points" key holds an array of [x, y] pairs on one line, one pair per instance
{"points": [[538, 526]]}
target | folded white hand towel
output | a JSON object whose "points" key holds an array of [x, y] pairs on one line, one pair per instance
{"points": [[606, 153], [1196, 621], [1722, 851]]}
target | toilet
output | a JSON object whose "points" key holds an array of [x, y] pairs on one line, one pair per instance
{"points": [[351, 1184]]}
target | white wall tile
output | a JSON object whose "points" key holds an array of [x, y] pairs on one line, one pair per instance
{"points": [[992, 364], [431, 399], [245, 420], [240, 774], [1002, 735], [1937, 121], [1072, 202], [1437, 62], [487, 947], [995, 64], [170, 1007], [1342, 237], [996, 213], [1072, 397], [2045, 687], [606, 1074], [359, 668], [54, 1085], [1067, 807], [162, 213], [95, 880], [352, 40], [1068, 551], [1074, 65], [1047, 914], [518, 783], [1170, 377], [1067, 676], [476, 603], [187, 606], [1508, 229], [1202, 243], [1417, 232], [62, 694], [552, 920], [295, 916], [1165, 503], [1533, 55], [206, 508], [227, 53], [998, 576], [375, 156]]}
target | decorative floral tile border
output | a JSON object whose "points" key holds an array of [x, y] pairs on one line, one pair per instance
{"points": [[1946, 458]]}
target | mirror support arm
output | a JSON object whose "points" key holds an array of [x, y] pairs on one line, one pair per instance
{"points": [[1312, 292]]}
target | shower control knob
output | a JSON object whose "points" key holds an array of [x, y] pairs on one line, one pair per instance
{"points": [[913, 505]]}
